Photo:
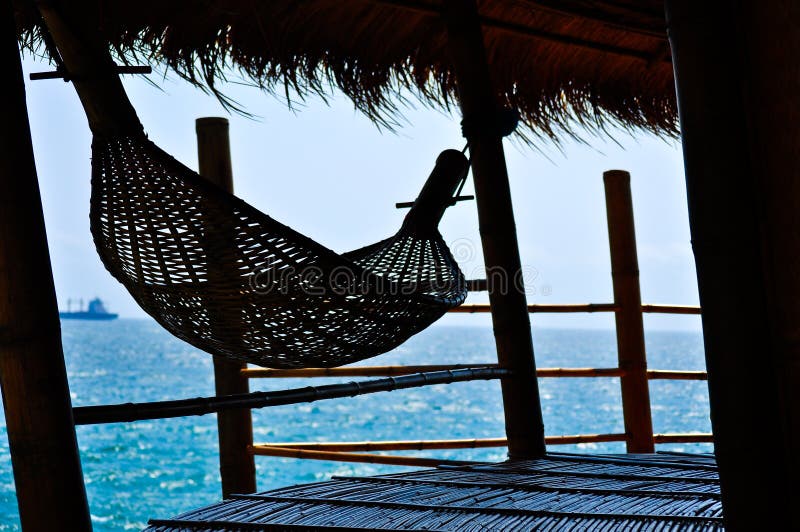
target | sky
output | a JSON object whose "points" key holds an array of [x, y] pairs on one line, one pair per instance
{"points": [[329, 172]]}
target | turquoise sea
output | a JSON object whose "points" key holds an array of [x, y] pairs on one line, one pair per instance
{"points": [[154, 469]]}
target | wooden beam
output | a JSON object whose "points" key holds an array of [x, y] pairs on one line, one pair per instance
{"points": [[654, 374], [542, 309], [684, 438], [630, 325], [512, 332], [409, 461], [388, 371], [38, 411], [235, 427], [738, 85], [426, 445]]}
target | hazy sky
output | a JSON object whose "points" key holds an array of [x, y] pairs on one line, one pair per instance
{"points": [[327, 171]]}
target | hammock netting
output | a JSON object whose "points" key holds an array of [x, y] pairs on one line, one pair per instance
{"points": [[232, 281]]}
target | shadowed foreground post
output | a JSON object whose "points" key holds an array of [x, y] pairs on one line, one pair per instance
{"points": [[236, 465], [512, 328], [44, 450], [738, 81]]}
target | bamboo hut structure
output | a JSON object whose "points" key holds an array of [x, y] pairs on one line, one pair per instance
{"points": [[722, 75]]}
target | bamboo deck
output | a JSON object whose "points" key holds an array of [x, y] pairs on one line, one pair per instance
{"points": [[559, 492]]}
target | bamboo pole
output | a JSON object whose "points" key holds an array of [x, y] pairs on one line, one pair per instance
{"points": [[354, 451], [522, 409], [400, 445], [426, 445], [684, 438], [235, 427], [388, 371], [322, 451], [672, 309], [582, 307], [677, 375], [410, 461], [738, 82], [44, 450], [630, 326], [90, 415], [543, 309]]}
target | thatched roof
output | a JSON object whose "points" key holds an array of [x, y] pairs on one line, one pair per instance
{"points": [[561, 63]]}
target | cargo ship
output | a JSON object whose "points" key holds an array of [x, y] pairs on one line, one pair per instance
{"points": [[95, 311]]}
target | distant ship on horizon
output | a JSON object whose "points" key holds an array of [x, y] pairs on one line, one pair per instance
{"points": [[95, 311]]}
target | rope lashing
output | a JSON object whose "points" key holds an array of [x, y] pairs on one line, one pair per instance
{"points": [[501, 122]]}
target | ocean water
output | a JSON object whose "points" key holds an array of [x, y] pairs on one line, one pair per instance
{"points": [[150, 469]]}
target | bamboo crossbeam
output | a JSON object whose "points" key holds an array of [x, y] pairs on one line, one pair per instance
{"points": [[580, 372], [477, 285], [584, 438], [354, 451], [542, 309], [684, 438], [89, 415], [583, 307], [399, 445], [120, 69], [288, 452], [423, 445], [355, 371], [677, 375], [671, 309], [388, 371]]}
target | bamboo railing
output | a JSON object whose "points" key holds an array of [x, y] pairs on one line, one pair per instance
{"points": [[391, 371], [357, 451], [631, 369]]}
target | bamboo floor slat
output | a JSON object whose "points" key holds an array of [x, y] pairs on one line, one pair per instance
{"points": [[664, 491]]}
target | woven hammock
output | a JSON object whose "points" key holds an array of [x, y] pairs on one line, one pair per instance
{"points": [[225, 277], [232, 281]]}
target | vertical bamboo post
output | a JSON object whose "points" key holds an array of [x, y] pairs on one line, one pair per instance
{"points": [[738, 79], [512, 332], [630, 326], [235, 427], [38, 410]]}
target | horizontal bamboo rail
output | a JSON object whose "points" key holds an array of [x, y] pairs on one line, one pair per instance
{"points": [[541, 309], [349, 451], [355, 371], [399, 445], [677, 375], [582, 307], [672, 309], [387, 371], [422, 445], [89, 415], [412, 461], [684, 438]]}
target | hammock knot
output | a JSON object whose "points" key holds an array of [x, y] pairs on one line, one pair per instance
{"points": [[501, 122]]}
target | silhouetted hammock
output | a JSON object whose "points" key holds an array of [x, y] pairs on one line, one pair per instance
{"points": [[230, 280]]}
